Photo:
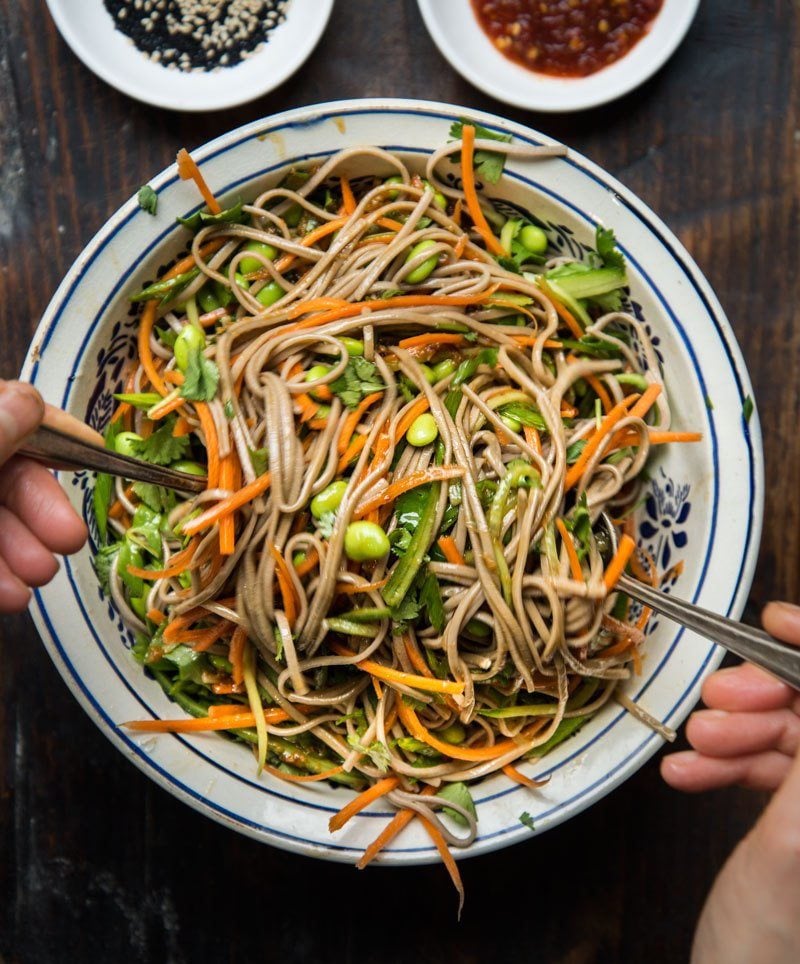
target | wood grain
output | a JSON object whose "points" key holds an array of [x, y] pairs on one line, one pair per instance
{"points": [[96, 863]]}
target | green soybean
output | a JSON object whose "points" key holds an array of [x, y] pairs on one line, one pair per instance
{"points": [[127, 443], [455, 733], [269, 294], [511, 423], [478, 629], [190, 340], [329, 499], [438, 198], [422, 431], [191, 468], [395, 179], [248, 265], [364, 541], [207, 299], [353, 346], [315, 372], [421, 272], [534, 239]]}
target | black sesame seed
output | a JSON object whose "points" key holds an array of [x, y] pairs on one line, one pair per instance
{"points": [[197, 34]]}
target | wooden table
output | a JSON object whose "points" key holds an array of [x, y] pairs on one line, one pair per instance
{"points": [[96, 863]]}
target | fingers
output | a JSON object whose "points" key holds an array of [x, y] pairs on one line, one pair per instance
{"points": [[719, 734], [21, 410], [14, 595], [782, 619], [23, 553], [746, 688], [693, 772], [32, 494]]}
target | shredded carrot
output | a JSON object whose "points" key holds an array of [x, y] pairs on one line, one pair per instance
{"points": [[645, 403], [356, 805], [156, 616], [348, 198], [617, 413], [290, 604], [303, 778], [420, 406], [117, 511], [431, 338], [597, 387], [189, 171], [309, 240], [415, 657], [350, 309], [225, 506], [353, 450], [399, 822], [658, 438], [447, 859], [179, 563], [166, 407], [181, 427], [226, 709], [212, 443], [376, 685], [460, 245], [304, 567], [236, 654], [471, 195], [451, 552], [617, 565], [437, 473], [199, 724], [350, 423], [348, 589], [227, 534], [517, 777], [389, 675], [412, 723], [532, 438], [572, 555]]}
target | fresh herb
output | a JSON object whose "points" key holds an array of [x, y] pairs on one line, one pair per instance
{"points": [[259, 459], [162, 447], [166, 289], [228, 410], [190, 664], [156, 497], [459, 794], [377, 752], [430, 597], [148, 199], [399, 540], [605, 243], [406, 611], [201, 219], [526, 820], [580, 525], [747, 409], [488, 164], [574, 450], [103, 563], [359, 379], [201, 378]]}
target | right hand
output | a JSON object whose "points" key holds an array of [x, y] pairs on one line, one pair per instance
{"points": [[36, 518]]}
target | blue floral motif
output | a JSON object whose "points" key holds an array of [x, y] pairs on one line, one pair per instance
{"points": [[667, 509]]}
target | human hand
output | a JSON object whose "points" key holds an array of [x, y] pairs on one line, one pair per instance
{"points": [[750, 735], [36, 519]]}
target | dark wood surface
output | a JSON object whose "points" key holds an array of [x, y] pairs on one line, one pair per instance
{"points": [[96, 863]]}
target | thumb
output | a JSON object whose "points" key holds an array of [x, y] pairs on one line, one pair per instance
{"points": [[21, 411], [782, 619]]}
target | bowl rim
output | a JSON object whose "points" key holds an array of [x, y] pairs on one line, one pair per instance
{"points": [[304, 117], [159, 95], [549, 94]]}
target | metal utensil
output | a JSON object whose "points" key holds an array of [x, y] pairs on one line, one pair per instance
{"points": [[66, 443], [751, 644]]}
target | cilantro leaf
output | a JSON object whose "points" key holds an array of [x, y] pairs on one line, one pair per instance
{"points": [[202, 378], [103, 562], [430, 597], [399, 540], [488, 164], [259, 459], [190, 664], [359, 379], [148, 199], [574, 450], [377, 752], [527, 820], [228, 409], [458, 793], [406, 611], [156, 497], [747, 409], [580, 525], [605, 243], [162, 447]]}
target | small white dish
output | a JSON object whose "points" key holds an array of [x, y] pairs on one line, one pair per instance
{"points": [[89, 30], [456, 32], [704, 502]]}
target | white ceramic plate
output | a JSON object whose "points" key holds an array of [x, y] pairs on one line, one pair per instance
{"points": [[705, 502], [89, 30], [459, 37]]}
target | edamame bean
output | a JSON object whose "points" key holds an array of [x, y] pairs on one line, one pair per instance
{"points": [[269, 294], [423, 431], [207, 300], [478, 629], [329, 499], [190, 340], [395, 179], [455, 733], [364, 541], [353, 346], [421, 272], [438, 198], [511, 423], [247, 265], [127, 443], [191, 468], [534, 239], [444, 368], [315, 372]]}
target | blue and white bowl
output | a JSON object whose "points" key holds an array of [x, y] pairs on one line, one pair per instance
{"points": [[704, 506]]}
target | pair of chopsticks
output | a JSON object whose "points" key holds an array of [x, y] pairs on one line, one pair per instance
{"points": [[64, 442]]}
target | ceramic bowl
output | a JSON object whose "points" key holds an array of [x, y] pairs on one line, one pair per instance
{"points": [[458, 35], [86, 340], [88, 28]]}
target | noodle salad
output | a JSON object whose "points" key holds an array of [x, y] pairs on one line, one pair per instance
{"points": [[410, 411]]}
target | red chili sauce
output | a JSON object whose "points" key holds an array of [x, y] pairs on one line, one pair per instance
{"points": [[568, 38]]}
